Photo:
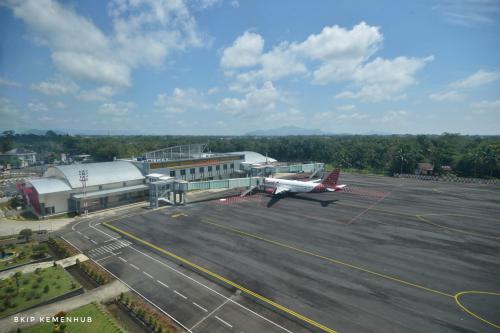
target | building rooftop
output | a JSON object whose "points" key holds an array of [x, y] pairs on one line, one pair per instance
{"points": [[98, 173], [254, 157], [49, 185]]}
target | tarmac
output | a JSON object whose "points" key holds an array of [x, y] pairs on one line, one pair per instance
{"points": [[391, 255]]}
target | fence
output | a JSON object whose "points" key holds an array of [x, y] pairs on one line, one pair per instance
{"points": [[225, 183], [311, 167], [452, 179]]}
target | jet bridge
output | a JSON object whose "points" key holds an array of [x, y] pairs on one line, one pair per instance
{"points": [[166, 189]]}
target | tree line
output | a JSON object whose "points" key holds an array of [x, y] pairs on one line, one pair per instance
{"points": [[468, 156]]}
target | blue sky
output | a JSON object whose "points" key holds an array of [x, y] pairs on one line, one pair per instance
{"points": [[227, 67]]}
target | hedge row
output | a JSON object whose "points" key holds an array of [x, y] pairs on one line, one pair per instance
{"points": [[150, 316]]}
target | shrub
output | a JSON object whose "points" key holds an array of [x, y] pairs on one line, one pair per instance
{"points": [[26, 281], [26, 234], [46, 289], [73, 285], [37, 295], [39, 279], [40, 250], [35, 286], [30, 295], [38, 271]]}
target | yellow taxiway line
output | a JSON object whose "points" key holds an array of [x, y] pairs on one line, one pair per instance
{"points": [[332, 260], [223, 279]]}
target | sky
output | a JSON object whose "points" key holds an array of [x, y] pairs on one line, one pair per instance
{"points": [[228, 67]]}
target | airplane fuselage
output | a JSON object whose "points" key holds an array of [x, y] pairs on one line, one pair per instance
{"points": [[295, 186]]}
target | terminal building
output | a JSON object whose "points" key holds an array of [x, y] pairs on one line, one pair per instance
{"points": [[111, 184], [191, 163], [63, 190]]}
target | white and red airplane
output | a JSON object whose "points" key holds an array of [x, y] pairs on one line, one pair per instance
{"points": [[277, 186]]}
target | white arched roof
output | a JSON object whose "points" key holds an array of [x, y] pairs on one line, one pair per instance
{"points": [[98, 173], [254, 157]]}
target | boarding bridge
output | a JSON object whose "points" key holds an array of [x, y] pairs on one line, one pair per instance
{"points": [[166, 189]]}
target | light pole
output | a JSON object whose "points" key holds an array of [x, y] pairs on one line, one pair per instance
{"points": [[84, 177]]}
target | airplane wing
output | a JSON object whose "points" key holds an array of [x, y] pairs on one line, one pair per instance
{"points": [[281, 189]]}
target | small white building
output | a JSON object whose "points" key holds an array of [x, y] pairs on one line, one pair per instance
{"points": [[27, 157]]}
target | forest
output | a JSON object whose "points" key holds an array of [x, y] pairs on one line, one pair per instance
{"points": [[468, 156]]}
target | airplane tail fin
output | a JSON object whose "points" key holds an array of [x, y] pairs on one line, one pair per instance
{"points": [[331, 180]]}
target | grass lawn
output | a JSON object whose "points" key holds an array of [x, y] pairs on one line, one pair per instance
{"points": [[24, 252], [101, 322], [34, 288]]}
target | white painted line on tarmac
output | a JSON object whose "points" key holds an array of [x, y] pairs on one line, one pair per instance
{"points": [[87, 237], [122, 259], [199, 306], [199, 283], [211, 313], [93, 241], [212, 290], [105, 258], [147, 274], [78, 232], [134, 266], [163, 284], [134, 290], [223, 321], [181, 295]]}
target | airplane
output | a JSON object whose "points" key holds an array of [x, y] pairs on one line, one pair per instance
{"points": [[281, 187]]}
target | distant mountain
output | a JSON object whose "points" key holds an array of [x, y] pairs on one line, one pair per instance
{"points": [[40, 132], [286, 130]]}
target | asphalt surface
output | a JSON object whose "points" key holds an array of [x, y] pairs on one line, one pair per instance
{"points": [[196, 304], [388, 255]]}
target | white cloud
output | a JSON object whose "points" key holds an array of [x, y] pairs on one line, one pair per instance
{"points": [[245, 51], [93, 68], [340, 50], [204, 4], [143, 33], [346, 107], [338, 54], [56, 86], [392, 116], [59, 105], [99, 94], [329, 116], [479, 78], [37, 107], [352, 116], [469, 13], [447, 96], [10, 83], [254, 102], [182, 100], [383, 79], [487, 104], [116, 109], [235, 3]]}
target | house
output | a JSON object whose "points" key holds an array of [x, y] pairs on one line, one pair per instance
{"points": [[19, 157], [425, 169]]}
